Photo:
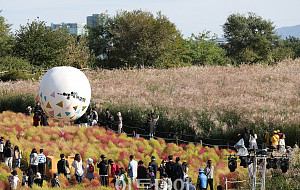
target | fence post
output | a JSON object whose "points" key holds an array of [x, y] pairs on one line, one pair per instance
{"points": [[176, 137], [225, 183], [200, 142], [227, 145]]}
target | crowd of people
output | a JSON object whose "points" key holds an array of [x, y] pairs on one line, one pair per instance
{"points": [[276, 142], [172, 174]]}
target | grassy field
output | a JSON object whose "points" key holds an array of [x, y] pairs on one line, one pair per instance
{"points": [[253, 94]]}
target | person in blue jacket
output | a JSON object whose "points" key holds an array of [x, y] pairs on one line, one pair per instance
{"points": [[202, 180]]}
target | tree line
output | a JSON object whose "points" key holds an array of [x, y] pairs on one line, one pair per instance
{"points": [[138, 39]]}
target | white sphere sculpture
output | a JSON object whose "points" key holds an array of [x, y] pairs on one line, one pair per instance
{"points": [[64, 93]]}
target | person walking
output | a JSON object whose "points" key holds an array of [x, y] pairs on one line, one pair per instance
{"points": [[154, 165], [132, 168], [266, 139], [89, 169], [34, 161], [178, 170], [185, 171], [109, 118], [77, 164], [42, 163], [17, 156], [8, 154], [202, 180], [252, 140], [1, 149], [120, 122], [209, 172], [169, 167], [63, 165], [103, 170]]}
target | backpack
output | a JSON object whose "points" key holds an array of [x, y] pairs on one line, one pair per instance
{"points": [[91, 168]]}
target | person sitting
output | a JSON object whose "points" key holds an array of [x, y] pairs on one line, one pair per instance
{"points": [[14, 180], [55, 181], [38, 180]]}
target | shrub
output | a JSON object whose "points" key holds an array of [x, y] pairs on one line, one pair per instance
{"points": [[16, 102]]}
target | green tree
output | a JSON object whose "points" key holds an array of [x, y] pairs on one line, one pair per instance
{"points": [[6, 37], [293, 45], [99, 38], [40, 45], [250, 38], [77, 52], [139, 38], [203, 50]]}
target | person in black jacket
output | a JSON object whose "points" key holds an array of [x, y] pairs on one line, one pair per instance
{"points": [[61, 165], [103, 170], [8, 154], [109, 119], [162, 169], [178, 170], [154, 165], [169, 167], [44, 119]]}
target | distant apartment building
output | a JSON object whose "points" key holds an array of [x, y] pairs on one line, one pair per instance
{"points": [[90, 20], [74, 28]]}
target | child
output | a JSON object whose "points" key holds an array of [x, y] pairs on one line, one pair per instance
{"points": [[55, 181], [14, 180], [120, 178], [89, 171]]}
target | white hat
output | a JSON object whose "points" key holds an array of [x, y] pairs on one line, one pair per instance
{"points": [[38, 175], [89, 161], [119, 114]]}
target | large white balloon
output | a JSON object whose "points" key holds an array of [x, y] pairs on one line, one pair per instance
{"points": [[64, 93]]}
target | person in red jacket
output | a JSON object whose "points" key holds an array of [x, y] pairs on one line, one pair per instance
{"points": [[115, 168]]}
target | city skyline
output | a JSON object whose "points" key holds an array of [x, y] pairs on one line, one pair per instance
{"points": [[192, 16]]}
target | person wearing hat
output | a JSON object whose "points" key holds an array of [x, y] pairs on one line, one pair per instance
{"points": [[275, 139], [114, 168], [1, 149], [202, 180], [14, 180], [89, 169], [188, 184], [103, 170], [154, 165], [55, 181], [132, 168], [120, 122], [38, 179]]}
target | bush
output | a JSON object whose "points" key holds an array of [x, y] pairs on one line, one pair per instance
{"points": [[16, 102], [14, 75], [13, 63]]}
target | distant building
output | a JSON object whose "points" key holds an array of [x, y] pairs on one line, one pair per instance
{"points": [[74, 28], [221, 41], [90, 20]]}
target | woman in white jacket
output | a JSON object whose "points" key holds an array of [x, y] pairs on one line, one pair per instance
{"points": [[252, 140], [34, 161], [77, 164]]}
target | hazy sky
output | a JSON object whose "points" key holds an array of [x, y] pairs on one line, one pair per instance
{"points": [[190, 16]]}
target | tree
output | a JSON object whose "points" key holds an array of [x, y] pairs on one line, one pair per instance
{"points": [[77, 52], [39, 44], [99, 37], [139, 38], [203, 50], [250, 38], [293, 45], [6, 37]]}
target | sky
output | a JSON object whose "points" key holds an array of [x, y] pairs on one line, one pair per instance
{"points": [[190, 16]]}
